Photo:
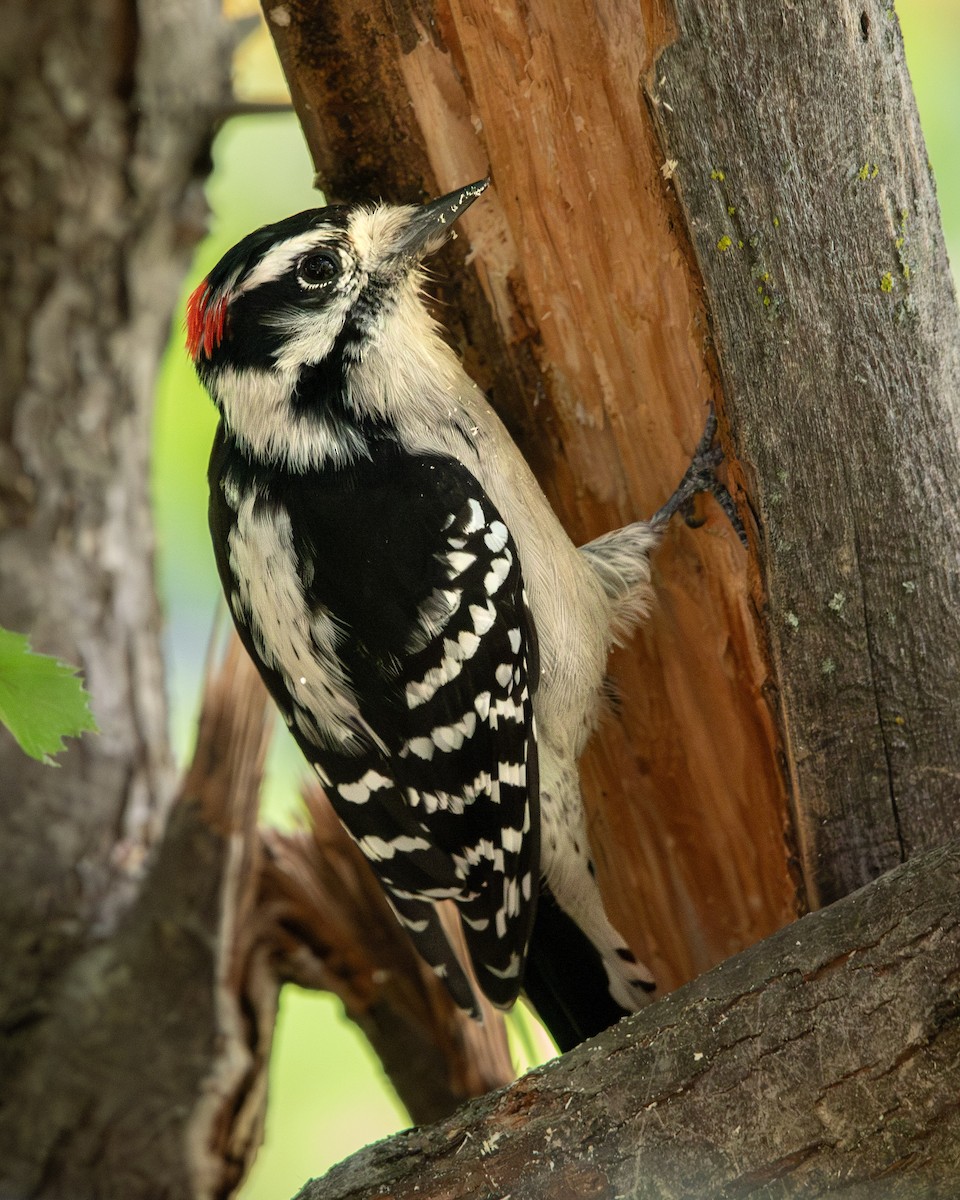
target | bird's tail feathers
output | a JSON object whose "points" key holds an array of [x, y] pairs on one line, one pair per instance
{"points": [[422, 921], [580, 985]]}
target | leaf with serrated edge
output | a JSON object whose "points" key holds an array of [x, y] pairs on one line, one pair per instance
{"points": [[42, 700]]}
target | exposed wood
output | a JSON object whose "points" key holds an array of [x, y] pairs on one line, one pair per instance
{"points": [[817, 232], [582, 318], [822, 1060]]}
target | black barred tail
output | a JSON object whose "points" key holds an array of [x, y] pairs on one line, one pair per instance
{"points": [[567, 980], [422, 922]]}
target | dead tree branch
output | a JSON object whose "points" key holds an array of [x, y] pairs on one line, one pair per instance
{"points": [[823, 1059]]}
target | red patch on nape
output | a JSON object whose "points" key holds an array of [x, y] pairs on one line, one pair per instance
{"points": [[206, 317]]}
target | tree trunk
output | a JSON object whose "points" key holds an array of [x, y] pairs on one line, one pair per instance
{"points": [[823, 1059], [106, 115], [816, 228], [831, 310]]}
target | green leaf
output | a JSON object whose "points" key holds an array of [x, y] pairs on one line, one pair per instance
{"points": [[42, 700]]}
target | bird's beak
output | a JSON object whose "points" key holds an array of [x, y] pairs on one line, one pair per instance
{"points": [[429, 227]]}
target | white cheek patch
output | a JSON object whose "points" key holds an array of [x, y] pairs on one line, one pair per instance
{"points": [[309, 335]]}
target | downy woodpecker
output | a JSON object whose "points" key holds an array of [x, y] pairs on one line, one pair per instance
{"points": [[431, 636]]}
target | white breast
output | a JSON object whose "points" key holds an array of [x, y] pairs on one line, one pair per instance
{"points": [[298, 643]]}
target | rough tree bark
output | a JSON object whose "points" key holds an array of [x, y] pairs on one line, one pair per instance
{"points": [[107, 1040], [817, 231], [821, 1060]]}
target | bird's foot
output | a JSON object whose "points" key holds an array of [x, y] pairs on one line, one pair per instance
{"points": [[701, 477]]}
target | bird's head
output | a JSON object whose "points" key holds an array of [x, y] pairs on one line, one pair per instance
{"points": [[316, 312]]}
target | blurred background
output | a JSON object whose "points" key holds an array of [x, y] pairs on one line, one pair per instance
{"points": [[328, 1095]]}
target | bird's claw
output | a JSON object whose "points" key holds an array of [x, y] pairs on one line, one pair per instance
{"points": [[700, 477]]}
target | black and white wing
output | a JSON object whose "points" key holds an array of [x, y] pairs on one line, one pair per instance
{"points": [[419, 719]]}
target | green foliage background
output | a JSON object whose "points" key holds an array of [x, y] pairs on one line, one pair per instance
{"points": [[328, 1096]]}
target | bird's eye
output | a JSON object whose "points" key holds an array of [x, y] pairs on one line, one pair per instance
{"points": [[314, 269]]}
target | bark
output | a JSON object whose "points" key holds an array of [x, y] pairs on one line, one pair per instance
{"points": [[107, 114], [837, 333], [146, 1075], [821, 1060], [98, 212]]}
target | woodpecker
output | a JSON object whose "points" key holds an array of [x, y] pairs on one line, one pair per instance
{"points": [[431, 636]]}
